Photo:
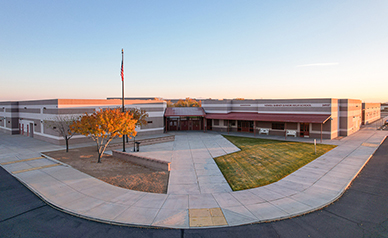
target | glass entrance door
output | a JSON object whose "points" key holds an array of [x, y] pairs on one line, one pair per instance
{"points": [[304, 129], [245, 126]]}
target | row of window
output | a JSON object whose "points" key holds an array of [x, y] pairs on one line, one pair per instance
{"points": [[275, 125]]}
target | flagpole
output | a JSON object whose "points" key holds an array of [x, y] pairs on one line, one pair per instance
{"points": [[122, 86]]}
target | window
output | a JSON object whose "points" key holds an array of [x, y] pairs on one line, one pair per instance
{"points": [[216, 122], [149, 122], [278, 126], [225, 123]]}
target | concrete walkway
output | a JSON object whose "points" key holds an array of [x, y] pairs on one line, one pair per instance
{"points": [[193, 170], [198, 195]]}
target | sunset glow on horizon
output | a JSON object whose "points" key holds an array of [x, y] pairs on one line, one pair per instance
{"points": [[198, 49]]}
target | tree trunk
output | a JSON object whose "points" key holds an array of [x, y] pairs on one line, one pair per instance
{"points": [[67, 144], [99, 158]]}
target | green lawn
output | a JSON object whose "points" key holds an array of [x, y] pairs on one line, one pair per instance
{"points": [[261, 162]]}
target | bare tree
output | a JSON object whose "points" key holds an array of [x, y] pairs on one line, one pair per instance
{"points": [[61, 124], [139, 115]]}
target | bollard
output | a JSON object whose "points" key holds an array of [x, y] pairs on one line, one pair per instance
{"points": [[137, 146]]}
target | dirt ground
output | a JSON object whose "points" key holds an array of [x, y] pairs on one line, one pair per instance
{"points": [[114, 171]]}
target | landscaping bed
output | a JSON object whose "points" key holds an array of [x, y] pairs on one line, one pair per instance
{"points": [[261, 161], [113, 170]]}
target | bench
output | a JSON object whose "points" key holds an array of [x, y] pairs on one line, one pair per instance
{"points": [[264, 131], [149, 141], [291, 133]]}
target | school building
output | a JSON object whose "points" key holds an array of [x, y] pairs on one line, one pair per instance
{"points": [[316, 118], [28, 117], [321, 118], [370, 112]]}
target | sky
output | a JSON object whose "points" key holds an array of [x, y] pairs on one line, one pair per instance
{"points": [[194, 48]]}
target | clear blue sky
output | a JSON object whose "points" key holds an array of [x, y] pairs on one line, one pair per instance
{"points": [[176, 49]]}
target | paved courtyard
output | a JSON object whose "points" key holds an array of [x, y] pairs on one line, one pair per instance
{"points": [[193, 170], [198, 195]]}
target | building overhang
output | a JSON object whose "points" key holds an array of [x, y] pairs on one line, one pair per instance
{"points": [[184, 112], [270, 117]]}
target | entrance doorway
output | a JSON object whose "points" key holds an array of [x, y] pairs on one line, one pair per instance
{"points": [[172, 124], [245, 126], [196, 125], [304, 129], [31, 130], [184, 124], [209, 124]]}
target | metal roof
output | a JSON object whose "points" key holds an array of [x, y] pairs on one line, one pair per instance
{"points": [[184, 112], [273, 117]]}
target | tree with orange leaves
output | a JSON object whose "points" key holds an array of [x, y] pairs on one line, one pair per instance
{"points": [[170, 104], [105, 125], [188, 102]]}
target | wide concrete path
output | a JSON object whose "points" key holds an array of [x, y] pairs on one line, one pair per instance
{"points": [[193, 170], [197, 201]]}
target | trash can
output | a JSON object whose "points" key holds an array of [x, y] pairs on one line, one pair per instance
{"points": [[137, 146]]}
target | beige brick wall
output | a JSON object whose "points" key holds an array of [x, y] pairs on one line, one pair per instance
{"points": [[371, 112]]}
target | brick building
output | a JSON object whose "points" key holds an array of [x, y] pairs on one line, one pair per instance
{"points": [[27, 117]]}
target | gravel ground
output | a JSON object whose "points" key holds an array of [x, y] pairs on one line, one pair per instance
{"points": [[114, 171]]}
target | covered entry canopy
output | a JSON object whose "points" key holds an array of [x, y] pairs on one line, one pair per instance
{"points": [[273, 117], [184, 118]]}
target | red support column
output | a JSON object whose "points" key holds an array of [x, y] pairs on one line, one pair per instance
{"points": [[285, 131], [254, 128], [166, 125]]}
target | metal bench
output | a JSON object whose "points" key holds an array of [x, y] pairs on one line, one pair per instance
{"points": [[264, 131], [291, 133]]}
